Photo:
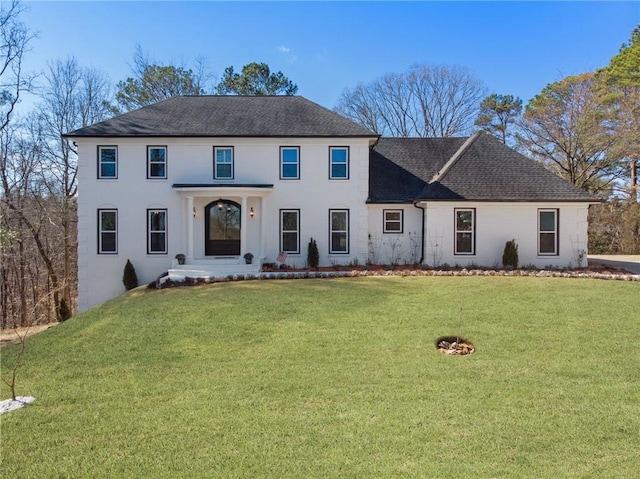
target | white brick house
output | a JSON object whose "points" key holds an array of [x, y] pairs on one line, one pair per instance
{"points": [[216, 177]]}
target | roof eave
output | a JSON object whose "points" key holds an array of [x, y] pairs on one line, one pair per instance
{"points": [[518, 200], [116, 135]]}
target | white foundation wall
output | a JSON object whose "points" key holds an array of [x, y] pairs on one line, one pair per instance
{"points": [[497, 223], [256, 161]]}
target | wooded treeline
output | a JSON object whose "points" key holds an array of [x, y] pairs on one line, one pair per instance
{"points": [[585, 128]]}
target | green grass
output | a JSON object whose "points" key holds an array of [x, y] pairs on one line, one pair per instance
{"points": [[336, 379]]}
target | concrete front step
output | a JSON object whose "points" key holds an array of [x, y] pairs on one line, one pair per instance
{"points": [[218, 270]]}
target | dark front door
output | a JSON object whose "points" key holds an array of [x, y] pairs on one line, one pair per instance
{"points": [[222, 228]]}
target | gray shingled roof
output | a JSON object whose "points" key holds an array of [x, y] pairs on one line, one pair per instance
{"points": [[224, 116], [401, 169]]}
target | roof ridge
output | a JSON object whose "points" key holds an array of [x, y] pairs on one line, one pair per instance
{"points": [[455, 157]]}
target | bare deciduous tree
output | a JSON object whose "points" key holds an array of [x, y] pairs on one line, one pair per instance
{"points": [[14, 41], [566, 127], [425, 101], [72, 97]]}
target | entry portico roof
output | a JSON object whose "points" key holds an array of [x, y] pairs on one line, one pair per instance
{"points": [[239, 189], [183, 186]]}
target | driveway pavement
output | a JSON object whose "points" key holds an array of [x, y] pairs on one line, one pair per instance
{"points": [[629, 263]]}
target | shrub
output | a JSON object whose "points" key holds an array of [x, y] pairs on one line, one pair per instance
{"points": [[510, 255], [313, 257], [129, 279]]}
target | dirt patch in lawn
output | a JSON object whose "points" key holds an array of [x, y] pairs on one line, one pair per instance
{"points": [[12, 336]]}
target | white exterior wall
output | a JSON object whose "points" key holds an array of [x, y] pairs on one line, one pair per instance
{"points": [[256, 161], [395, 248], [497, 223]]}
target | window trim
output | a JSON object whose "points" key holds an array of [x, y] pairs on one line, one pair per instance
{"points": [[150, 232], [297, 231], [385, 229], [331, 149], [165, 162], [101, 231], [331, 231], [555, 232], [472, 231], [215, 163], [282, 163], [99, 172]]}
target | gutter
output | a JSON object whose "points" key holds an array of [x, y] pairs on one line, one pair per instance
{"points": [[424, 213]]}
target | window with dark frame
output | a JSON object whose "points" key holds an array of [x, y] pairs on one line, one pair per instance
{"points": [[223, 162], [107, 231], [289, 163], [393, 221], [548, 232], [290, 231], [339, 163], [338, 231], [157, 162], [157, 231], [107, 162], [465, 231]]}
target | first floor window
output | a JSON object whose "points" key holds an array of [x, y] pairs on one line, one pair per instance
{"points": [[392, 221], [290, 231], [157, 162], [465, 231], [290, 163], [107, 231], [338, 231], [223, 163], [548, 232], [156, 231], [338, 163], [107, 162]]}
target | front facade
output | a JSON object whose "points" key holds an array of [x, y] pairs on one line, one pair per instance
{"points": [[214, 178]]}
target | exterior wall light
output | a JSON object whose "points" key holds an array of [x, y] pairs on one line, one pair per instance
{"points": [[251, 212]]}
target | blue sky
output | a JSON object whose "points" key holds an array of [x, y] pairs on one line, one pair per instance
{"points": [[513, 47]]}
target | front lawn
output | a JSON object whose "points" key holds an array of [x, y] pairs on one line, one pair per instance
{"points": [[336, 378]]}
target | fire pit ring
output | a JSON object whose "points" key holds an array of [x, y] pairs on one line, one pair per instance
{"points": [[455, 346]]}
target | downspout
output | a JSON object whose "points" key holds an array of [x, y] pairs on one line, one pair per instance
{"points": [[424, 212]]}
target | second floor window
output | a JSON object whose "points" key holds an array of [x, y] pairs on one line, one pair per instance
{"points": [[157, 162], [339, 163], [107, 162], [223, 163], [289, 163]]}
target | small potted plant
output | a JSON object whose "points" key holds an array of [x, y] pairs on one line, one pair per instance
{"points": [[180, 257], [248, 257]]}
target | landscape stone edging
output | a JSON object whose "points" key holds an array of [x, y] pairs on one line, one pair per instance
{"points": [[9, 405], [413, 272]]}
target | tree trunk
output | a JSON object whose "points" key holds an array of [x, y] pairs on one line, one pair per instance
{"points": [[633, 179]]}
